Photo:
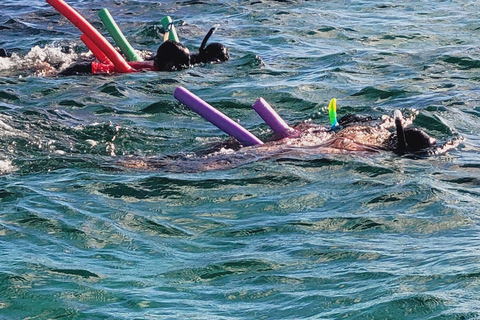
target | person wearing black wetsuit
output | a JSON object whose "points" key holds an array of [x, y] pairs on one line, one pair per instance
{"points": [[170, 56]]}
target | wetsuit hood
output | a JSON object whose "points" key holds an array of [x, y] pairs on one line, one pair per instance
{"points": [[172, 56], [214, 52], [410, 139]]}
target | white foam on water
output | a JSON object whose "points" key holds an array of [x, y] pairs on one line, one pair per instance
{"points": [[42, 61], [223, 151], [6, 166]]}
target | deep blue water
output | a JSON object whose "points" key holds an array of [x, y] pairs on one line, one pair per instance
{"points": [[355, 235]]}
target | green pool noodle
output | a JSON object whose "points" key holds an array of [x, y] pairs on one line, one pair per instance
{"points": [[118, 36], [168, 26]]}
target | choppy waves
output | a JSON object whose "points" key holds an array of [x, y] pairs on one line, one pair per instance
{"points": [[293, 236], [39, 61]]}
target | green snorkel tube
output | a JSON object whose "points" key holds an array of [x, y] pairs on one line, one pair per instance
{"points": [[169, 27], [332, 112]]}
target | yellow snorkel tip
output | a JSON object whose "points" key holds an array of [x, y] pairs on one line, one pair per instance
{"points": [[332, 112]]}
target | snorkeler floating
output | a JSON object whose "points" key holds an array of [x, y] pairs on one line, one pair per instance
{"points": [[349, 133], [170, 56]]}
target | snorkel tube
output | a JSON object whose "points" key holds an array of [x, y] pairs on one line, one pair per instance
{"points": [[118, 36], [332, 112], [169, 27], [215, 117], [205, 40], [272, 119], [81, 23], [401, 141]]}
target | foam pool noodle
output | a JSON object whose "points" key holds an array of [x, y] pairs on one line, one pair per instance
{"points": [[169, 28], [118, 36], [271, 118], [94, 49], [215, 117], [332, 112], [84, 26]]}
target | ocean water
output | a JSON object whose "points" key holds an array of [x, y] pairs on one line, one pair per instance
{"points": [[323, 236]]}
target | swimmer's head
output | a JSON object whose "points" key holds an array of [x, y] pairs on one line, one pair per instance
{"points": [[411, 139], [417, 139], [214, 52], [172, 56]]}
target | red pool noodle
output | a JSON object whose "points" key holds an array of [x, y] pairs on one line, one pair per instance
{"points": [[95, 50], [81, 23], [98, 67]]}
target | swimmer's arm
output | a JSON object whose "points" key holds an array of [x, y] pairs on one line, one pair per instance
{"points": [[98, 67], [88, 68], [143, 65], [78, 68]]}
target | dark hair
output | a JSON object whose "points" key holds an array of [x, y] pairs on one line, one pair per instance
{"points": [[355, 119], [172, 56]]}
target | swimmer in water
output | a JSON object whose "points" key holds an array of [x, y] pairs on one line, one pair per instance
{"points": [[213, 53], [355, 133], [365, 130], [359, 133], [170, 56]]}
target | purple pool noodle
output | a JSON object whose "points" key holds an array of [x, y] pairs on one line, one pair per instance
{"points": [[217, 118], [272, 118]]}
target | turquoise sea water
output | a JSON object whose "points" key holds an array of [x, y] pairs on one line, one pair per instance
{"points": [[350, 236]]}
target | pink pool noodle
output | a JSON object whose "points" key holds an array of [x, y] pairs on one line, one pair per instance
{"points": [[216, 117], [271, 117], [83, 25]]}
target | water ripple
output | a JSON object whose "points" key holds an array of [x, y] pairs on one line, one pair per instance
{"points": [[292, 236]]}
